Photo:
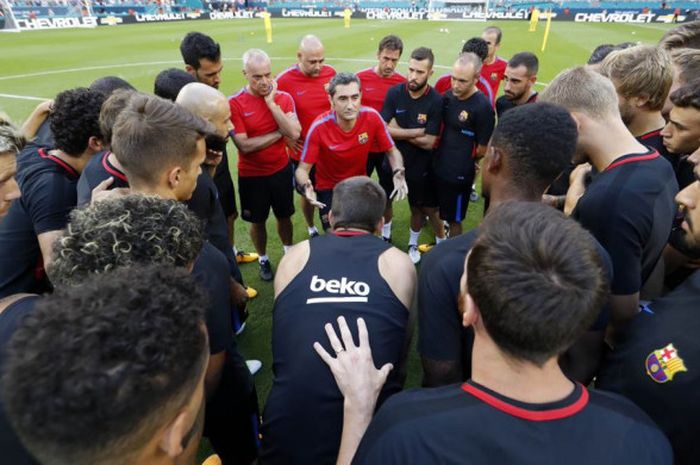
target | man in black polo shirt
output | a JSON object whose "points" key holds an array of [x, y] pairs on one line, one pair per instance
{"points": [[628, 206], [468, 120], [532, 284], [47, 178], [520, 79], [655, 359], [413, 112], [11, 142], [304, 412]]}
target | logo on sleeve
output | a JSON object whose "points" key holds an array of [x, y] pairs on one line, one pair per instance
{"points": [[422, 118], [343, 290], [363, 138], [663, 364], [463, 116]]}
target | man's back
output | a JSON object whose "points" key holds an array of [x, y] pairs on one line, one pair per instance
{"points": [[468, 423]]}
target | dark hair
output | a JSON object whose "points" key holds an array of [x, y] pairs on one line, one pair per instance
{"points": [[152, 135], [196, 46], [391, 42], [110, 111], [358, 202], [600, 52], [123, 232], [75, 119], [687, 96], [96, 370], [423, 53], [169, 82], [477, 46], [535, 157], [342, 79], [687, 63], [108, 84], [497, 30], [527, 59], [537, 278], [682, 36]]}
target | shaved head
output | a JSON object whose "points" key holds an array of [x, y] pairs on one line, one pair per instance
{"points": [[311, 55], [310, 43], [208, 103]]}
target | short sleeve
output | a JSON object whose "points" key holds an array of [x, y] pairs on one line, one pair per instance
{"points": [[236, 117], [389, 107], [286, 103], [312, 145], [485, 121], [49, 202], [382, 140], [434, 118]]}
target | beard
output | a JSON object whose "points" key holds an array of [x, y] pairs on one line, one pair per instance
{"points": [[215, 142], [414, 86]]}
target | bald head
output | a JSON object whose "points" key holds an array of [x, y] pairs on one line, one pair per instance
{"points": [[311, 55], [208, 103], [469, 59]]}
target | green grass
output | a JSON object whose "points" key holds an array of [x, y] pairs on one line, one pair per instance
{"points": [[42, 63]]}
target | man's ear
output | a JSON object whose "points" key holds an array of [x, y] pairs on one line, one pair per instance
{"points": [[494, 159], [95, 144], [533, 79], [331, 220], [191, 70], [174, 176], [171, 440], [471, 314], [579, 119]]}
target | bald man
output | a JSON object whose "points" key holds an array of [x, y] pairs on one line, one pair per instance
{"points": [[264, 118], [307, 83]]}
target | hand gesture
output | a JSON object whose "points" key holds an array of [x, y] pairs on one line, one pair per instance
{"points": [[310, 195], [102, 191], [400, 191], [270, 98]]}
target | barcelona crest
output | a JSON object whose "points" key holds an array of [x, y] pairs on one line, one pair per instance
{"points": [[422, 118], [363, 138], [663, 364], [494, 76], [463, 115]]}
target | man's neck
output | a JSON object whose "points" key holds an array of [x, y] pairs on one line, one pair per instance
{"points": [[611, 143], [154, 191], [112, 159], [645, 122], [506, 192], [525, 97], [345, 125], [471, 92], [416, 94], [490, 60], [76, 162]]}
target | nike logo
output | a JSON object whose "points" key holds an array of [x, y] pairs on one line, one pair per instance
{"points": [[369, 88], [301, 92], [398, 110], [248, 113], [333, 147]]}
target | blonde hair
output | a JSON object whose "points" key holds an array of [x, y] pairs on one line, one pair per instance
{"points": [[687, 63], [583, 90], [11, 139]]}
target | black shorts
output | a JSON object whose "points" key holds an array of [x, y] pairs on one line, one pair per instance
{"points": [[377, 161], [325, 197], [227, 193], [453, 200], [421, 192], [259, 193], [312, 173]]}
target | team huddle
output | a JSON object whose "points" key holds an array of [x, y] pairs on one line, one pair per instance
{"points": [[561, 330]]}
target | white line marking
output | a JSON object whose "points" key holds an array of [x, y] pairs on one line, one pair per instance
{"points": [[324, 300], [23, 97]]}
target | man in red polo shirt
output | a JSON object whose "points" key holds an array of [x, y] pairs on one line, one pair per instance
{"points": [[264, 118], [307, 83], [339, 142], [375, 82], [494, 67]]}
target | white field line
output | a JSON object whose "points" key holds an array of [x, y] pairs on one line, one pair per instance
{"points": [[23, 97]]}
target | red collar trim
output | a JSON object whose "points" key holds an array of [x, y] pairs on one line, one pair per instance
{"points": [[112, 170], [525, 414], [632, 159], [350, 233], [58, 161], [651, 134]]}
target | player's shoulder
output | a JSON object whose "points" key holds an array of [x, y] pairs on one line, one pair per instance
{"points": [[322, 120], [328, 71], [288, 73], [238, 95], [370, 114], [500, 62], [443, 78], [365, 73], [282, 95]]}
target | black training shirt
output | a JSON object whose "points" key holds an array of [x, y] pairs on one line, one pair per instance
{"points": [[97, 170], [504, 104]]}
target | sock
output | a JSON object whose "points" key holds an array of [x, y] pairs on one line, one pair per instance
{"points": [[438, 240], [235, 250], [312, 230], [386, 230], [263, 258], [286, 248], [414, 235]]}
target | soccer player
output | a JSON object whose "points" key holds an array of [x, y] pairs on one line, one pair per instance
{"points": [[202, 57], [375, 83], [480, 48], [264, 117], [339, 142], [11, 143], [628, 206], [169, 82], [307, 82], [531, 285], [686, 67], [468, 120], [520, 79], [681, 135], [642, 77], [494, 67], [47, 178], [304, 412], [141, 386], [684, 36], [413, 113]]}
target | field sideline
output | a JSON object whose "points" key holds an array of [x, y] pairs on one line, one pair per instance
{"points": [[39, 64]]}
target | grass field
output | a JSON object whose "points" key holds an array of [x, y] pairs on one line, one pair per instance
{"points": [[39, 64]]}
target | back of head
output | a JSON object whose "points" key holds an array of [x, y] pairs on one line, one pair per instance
{"points": [[469, 59], [108, 84], [110, 111], [687, 64], [477, 46], [423, 53], [11, 139], [96, 371], [342, 79], [152, 135], [584, 91], [600, 52], [170, 81], [537, 278], [687, 96], [526, 59], [196, 46], [75, 119], [124, 232], [683, 36], [358, 203], [533, 157], [202, 100], [494, 30], [391, 42], [640, 71]]}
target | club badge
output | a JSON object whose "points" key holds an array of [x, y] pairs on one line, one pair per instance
{"points": [[494, 76], [463, 116], [422, 118], [663, 364], [363, 138]]}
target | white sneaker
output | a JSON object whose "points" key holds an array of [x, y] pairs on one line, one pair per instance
{"points": [[414, 254], [241, 329], [253, 366]]}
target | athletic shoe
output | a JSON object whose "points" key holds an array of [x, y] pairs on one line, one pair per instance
{"points": [[386, 239], [212, 460], [241, 329], [266, 270], [425, 248], [252, 293], [474, 196], [313, 234], [245, 257], [253, 366], [414, 254]]}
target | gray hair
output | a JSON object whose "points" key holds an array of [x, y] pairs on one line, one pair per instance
{"points": [[254, 54], [342, 79], [11, 139]]}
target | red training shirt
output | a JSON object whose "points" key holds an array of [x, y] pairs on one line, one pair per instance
{"points": [[339, 155], [375, 87], [494, 73], [250, 116], [445, 83]]}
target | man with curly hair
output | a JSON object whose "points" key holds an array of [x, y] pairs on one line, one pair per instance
{"points": [[47, 178]]}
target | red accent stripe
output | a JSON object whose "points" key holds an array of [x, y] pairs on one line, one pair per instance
{"points": [[349, 233], [651, 134], [111, 170], [525, 414], [650, 156], [59, 162]]}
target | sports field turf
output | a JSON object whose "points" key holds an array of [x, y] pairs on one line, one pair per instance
{"points": [[42, 63]]}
